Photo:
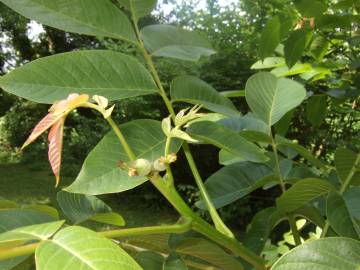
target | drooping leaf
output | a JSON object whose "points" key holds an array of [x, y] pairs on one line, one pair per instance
{"points": [[260, 228], [310, 8], [139, 8], [209, 252], [271, 98], [79, 208], [195, 91], [281, 141], [316, 110], [88, 17], [225, 138], [106, 73], [323, 254], [302, 193], [270, 37], [295, 46], [235, 181], [100, 173], [150, 260], [33, 232], [339, 216], [174, 42], [80, 248], [345, 162]]}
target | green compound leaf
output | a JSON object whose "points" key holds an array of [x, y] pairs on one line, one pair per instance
{"points": [[174, 42], [271, 98], [195, 91], [302, 193], [94, 72], [79, 208], [323, 254], [80, 248], [225, 138], [88, 17], [101, 174]]}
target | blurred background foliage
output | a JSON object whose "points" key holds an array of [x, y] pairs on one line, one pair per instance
{"points": [[235, 32]]}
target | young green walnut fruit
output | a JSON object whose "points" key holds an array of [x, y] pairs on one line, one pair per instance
{"points": [[140, 167]]}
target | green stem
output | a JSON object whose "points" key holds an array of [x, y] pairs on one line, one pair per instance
{"points": [[121, 138], [176, 228], [291, 218], [343, 188], [170, 177], [219, 224], [204, 228], [115, 128], [163, 229]]}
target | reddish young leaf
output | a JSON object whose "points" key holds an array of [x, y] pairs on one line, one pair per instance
{"points": [[41, 127], [55, 146]]}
